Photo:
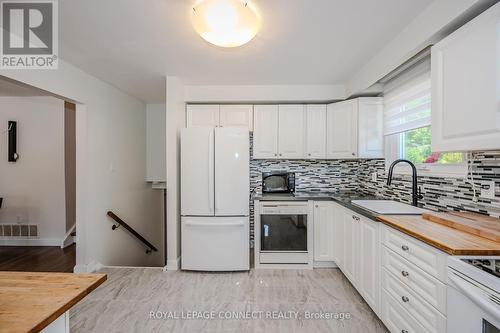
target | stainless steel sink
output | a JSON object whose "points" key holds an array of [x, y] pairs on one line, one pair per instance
{"points": [[388, 207]]}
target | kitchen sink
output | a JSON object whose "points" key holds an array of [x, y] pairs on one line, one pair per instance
{"points": [[388, 207]]}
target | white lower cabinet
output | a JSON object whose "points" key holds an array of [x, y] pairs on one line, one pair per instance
{"points": [[425, 314], [400, 277], [324, 231], [350, 247], [396, 318], [412, 283], [368, 284], [360, 262]]}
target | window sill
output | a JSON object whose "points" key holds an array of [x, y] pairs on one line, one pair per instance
{"points": [[435, 170]]}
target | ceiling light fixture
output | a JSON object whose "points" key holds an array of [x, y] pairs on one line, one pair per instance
{"points": [[226, 23]]}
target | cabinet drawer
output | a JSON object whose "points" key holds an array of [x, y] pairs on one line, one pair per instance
{"points": [[425, 314], [396, 318], [430, 288], [424, 256]]}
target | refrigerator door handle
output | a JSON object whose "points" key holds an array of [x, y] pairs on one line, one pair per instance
{"points": [[211, 171]]}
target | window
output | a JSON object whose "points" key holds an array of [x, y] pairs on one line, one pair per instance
{"points": [[407, 126]]}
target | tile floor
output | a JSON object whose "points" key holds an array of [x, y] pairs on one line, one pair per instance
{"points": [[124, 303]]}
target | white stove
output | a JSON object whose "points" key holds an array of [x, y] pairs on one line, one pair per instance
{"points": [[473, 294]]}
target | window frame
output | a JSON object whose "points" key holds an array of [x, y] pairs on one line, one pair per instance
{"points": [[393, 151]]}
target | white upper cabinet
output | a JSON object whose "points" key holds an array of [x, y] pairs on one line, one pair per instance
{"points": [[370, 127], [465, 86], [341, 132], [316, 131], [354, 129], [202, 115], [291, 131], [265, 135], [236, 116], [211, 115]]}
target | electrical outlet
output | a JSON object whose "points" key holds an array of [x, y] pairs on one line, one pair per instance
{"points": [[374, 176], [488, 189]]}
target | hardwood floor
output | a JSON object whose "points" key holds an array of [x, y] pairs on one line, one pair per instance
{"points": [[37, 258]]}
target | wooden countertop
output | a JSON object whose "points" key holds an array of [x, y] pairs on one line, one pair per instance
{"points": [[29, 302], [449, 240]]}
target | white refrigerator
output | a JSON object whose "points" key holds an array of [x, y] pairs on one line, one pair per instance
{"points": [[215, 188]]}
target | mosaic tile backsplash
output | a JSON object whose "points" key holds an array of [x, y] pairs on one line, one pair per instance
{"points": [[440, 193]]}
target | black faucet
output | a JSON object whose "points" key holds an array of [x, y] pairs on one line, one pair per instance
{"points": [[415, 191]]}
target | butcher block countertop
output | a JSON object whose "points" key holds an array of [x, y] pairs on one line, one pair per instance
{"points": [[447, 239], [29, 302]]}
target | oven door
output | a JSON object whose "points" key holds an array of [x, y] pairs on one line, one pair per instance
{"points": [[286, 232], [472, 307], [283, 228]]}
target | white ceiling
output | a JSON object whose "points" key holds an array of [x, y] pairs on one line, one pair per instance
{"points": [[134, 44]]}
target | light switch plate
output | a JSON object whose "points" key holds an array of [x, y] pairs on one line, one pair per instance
{"points": [[488, 189], [374, 176]]}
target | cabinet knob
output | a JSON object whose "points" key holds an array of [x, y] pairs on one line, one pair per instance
{"points": [[308, 154], [280, 154], [405, 299], [316, 206], [275, 154], [353, 154], [404, 273], [405, 247]]}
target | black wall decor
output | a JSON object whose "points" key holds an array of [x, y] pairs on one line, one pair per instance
{"points": [[13, 156]]}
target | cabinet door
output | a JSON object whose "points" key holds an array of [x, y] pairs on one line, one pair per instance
{"points": [[369, 266], [292, 128], [316, 131], [370, 127], [323, 231], [351, 255], [341, 130], [265, 135], [465, 86], [202, 116], [236, 116], [338, 235]]}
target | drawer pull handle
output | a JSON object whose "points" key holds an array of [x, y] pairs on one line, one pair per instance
{"points": [[404, 331], [405, 299], [354, 217], [404, 273], [405, 248]]}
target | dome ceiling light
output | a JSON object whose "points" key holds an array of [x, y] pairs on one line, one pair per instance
{"points": [[225, 23]]}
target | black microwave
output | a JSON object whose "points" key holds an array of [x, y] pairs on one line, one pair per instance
{"points": [[278, 182]]}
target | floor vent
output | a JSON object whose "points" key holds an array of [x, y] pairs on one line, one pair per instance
{"points": [[18, 230]]}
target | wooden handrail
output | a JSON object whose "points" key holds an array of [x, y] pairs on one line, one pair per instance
{"points": [[131, 230]]}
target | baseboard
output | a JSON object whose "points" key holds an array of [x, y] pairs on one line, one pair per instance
{"points": [[68, 239], [173, 265], [325, 264], [19, 241], [91, 267]]}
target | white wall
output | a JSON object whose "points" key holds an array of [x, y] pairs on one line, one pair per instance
{"points": [[156, 143], [175, 121], [33, 188], [264, 93], [434, 23], [111, 167]]}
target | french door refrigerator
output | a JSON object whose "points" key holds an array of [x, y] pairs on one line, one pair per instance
{"points": [[215, 187]]}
